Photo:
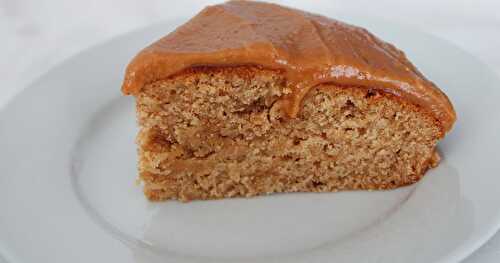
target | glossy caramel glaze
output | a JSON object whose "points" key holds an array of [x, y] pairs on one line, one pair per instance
{"points": [[310, 49]]}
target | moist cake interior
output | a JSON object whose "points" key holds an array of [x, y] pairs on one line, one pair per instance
{"points": [[214, 132]]}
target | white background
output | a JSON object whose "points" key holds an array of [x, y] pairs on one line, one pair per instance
{"points": [[37, 34]]}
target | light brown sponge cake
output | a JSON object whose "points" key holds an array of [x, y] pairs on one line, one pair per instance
{"points": [[233, 103]]}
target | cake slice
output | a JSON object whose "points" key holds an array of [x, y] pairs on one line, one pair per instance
{"points": [[250, 98]]}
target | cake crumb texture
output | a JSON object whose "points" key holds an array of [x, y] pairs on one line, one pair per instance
{"points": [[216, 132]]}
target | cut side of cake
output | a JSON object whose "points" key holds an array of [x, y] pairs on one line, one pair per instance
{"points": [[251, 113], [221, 132]]}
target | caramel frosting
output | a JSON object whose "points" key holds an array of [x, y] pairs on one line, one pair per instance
{"points": [[309, 49]]}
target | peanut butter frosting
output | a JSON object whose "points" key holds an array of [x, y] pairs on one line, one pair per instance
{"points": [[309, 49]]}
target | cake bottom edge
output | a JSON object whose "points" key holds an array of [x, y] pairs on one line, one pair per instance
{"points": [[156, 188]]}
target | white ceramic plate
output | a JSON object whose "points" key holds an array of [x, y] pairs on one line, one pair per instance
{"points": [[68, 165]]}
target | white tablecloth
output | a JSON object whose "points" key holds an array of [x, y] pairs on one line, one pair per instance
{"points": [[35, 35]]}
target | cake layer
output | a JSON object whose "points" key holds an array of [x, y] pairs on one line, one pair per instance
{"points": [[209, 133], [309, 50]]}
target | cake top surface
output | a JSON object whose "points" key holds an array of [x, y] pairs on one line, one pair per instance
{"points": [[310, 49]]}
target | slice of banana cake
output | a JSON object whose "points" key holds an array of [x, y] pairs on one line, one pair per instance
{"points": [[250, 98]]}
